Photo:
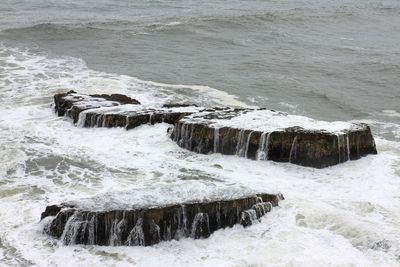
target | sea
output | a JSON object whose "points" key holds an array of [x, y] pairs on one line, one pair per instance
{"points": [[329, 60]]}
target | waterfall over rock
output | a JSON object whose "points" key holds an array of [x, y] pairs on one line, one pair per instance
{"points": [[115, 111], [257, 134], [250, 133], [147, 226], [321, 145]]}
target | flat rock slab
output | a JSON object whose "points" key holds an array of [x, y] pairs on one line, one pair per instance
{"points": [[269, 135], [132, 116], [147, 226], [116, 110], [252, 133], [72, 103]]}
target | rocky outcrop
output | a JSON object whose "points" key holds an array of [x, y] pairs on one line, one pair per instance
{"points": [[114, 117], [222, 132], [72, 103], [252, 133], [116, 110], [148, 226]]}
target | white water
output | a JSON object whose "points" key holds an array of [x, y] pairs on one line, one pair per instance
{"points": [[348, 147], [247, 144], [293, 149], [216, 140], [136, 236], [346, 215], [262, 153], [200, 219], [268, 121], [241, 146]]}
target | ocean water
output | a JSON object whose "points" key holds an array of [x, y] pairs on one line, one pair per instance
{"points": [[322, 59]]}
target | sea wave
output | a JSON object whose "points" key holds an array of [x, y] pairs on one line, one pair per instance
{"points": [[174, 22], [48, 75]]}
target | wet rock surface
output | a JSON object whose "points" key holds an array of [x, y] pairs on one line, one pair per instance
{"points": [[251, 133], [217, 132], [72, 103], [257, 134], [129, 118], [116, 110], [148, 226]]}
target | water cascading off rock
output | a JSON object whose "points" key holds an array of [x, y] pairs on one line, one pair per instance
{"points": [[148, 226], [276, 136], [251, 133], [116, 110]]}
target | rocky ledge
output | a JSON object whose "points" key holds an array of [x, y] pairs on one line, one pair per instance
{"points": [[269, 135], [116, 110], [147, 226], [252, 133]]}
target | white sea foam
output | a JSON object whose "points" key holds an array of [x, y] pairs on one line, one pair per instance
{"points": [[145, 196], [346, 215], [268, 121], [391, 113], [221, 97], [46, 75]]}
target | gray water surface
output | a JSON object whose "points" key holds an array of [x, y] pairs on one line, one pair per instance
{"points": [[334, 60]]}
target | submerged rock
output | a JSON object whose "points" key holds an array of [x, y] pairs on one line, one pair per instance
{"points": [[270, 135], [148, 226]]}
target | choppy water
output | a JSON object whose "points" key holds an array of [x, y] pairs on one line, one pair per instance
{"points": [[323, 59]]}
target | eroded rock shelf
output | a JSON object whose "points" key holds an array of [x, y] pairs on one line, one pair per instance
{"points": [[277, 136], [257, 134], [148, 226], [116, 110]]}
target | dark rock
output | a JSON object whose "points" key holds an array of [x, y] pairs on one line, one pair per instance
{"points": [[115, 110], [61, 105], [131, 119], [149, 226], [121, 99], [313, 148], [195, 129], [51, 211], [72, 103]]}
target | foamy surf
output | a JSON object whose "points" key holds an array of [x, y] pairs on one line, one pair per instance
{"points": [[47, 75], [339, 216], [221, 97]]}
